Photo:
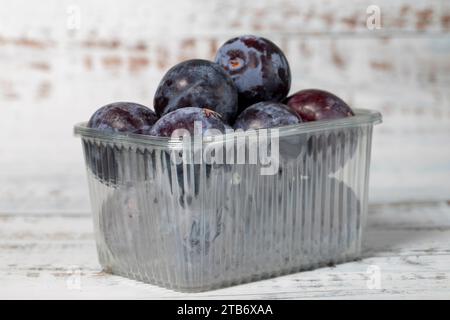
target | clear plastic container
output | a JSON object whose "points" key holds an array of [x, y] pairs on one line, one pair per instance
{"points": [[195, 227]]}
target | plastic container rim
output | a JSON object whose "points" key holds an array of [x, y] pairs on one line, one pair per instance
{"points": [[361, 117]]}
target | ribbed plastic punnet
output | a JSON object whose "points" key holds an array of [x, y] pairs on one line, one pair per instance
{"points": [[201, 225]]}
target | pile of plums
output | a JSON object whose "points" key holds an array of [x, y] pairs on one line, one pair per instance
{"points": [[246, 87]]}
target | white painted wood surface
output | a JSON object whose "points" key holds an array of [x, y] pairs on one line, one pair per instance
{"points": [[408, 246], [55, 72]]}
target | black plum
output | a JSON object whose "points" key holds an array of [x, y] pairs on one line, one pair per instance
{"points": [[315, 104], [115, 117], [123, 117], [258, 68], [185, 118], [266, 115], [101, 161], [271, 115], [197, 83]]}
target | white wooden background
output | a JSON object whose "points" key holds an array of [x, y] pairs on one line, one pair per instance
{"points": [[61, 59]]}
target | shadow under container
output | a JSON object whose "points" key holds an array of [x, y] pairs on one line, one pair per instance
{"points": [[193, 226]]}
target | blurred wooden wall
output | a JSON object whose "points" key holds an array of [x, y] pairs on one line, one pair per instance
{"points": [[60, 60]]}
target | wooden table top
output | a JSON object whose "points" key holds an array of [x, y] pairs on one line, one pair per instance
{"points": [[406, 255]]}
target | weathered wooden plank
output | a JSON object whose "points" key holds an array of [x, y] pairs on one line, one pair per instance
{"points": [[117, 20], [407, 256], [398, 279]]}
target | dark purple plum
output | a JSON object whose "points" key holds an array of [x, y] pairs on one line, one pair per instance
{"points": [[101, 162], [258, 68], [266, 115], [197, 83], [115, 117], [185, 118], [315, 104], [271, 115], [123, 117]]}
